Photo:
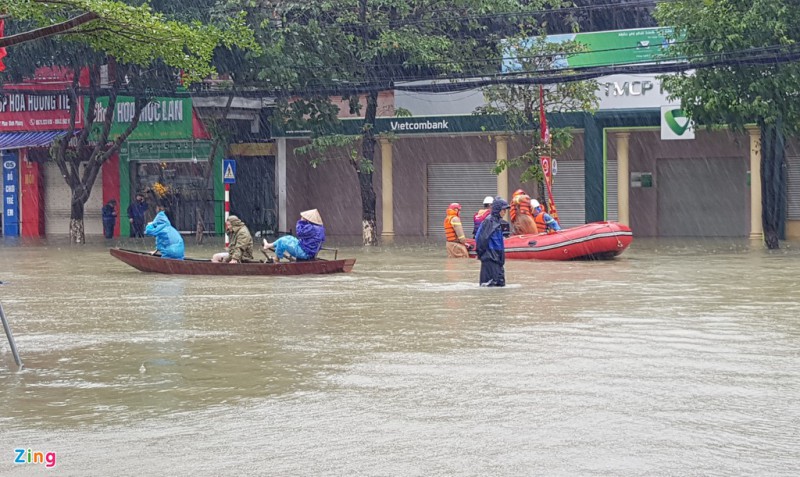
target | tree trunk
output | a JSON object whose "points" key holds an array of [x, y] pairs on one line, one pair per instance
{"points": [[368, 204], [76, 231], [773, 183], [199, 213]]}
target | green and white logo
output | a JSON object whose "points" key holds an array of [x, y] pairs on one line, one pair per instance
{"points": [[675, 124]]}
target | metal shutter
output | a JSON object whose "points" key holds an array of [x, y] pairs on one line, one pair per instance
{"points": [[793, 187], [57, 199], [702, 197], [569, 193], [466, 184], [612, 202]]}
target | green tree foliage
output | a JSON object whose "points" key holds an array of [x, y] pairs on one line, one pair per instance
{"points": [[520, 104], [596, 15], [145, 54], [725, 31], [131, 34], [323, 48]]}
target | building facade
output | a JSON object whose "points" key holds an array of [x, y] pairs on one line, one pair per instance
{"points": [[626, 164]]}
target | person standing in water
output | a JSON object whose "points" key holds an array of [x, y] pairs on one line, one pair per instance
{"points": [[490, 247]]}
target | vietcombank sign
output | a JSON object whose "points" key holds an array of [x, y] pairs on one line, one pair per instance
{"points": [[675, 124], [419, 125], [161, 119]]}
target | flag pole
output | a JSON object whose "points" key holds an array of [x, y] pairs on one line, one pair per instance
{"points": [[546, 161]]}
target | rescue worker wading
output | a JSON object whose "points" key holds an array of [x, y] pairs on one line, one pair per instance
{"points": [[478, 218], [455, 233], [544, 221]]}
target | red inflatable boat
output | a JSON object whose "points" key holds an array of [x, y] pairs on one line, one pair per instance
{"points": [[594, 241]]}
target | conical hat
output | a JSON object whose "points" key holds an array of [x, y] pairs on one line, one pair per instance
{"points": [[312, 216]]}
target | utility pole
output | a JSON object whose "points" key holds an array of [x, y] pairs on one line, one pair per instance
{"points": [[10, 337]]}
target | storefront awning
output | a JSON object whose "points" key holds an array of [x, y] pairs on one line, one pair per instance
{"points": [[19, 140]]}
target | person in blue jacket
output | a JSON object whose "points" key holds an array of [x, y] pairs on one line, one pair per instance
{"points": [[168, 241], [490, 247], [307, 244], [311, 233], [544, 221]]}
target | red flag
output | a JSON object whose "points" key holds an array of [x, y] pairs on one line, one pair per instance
{"points": [[543, 119], [2, 50]]}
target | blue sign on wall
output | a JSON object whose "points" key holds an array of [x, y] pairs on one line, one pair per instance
{"points": [[10, 194], [229, 171]]}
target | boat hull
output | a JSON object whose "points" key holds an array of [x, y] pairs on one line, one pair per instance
{"points": [[152, 264], [594, 241]]}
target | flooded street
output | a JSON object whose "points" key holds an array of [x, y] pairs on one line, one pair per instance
{"points": [[675, 359]]}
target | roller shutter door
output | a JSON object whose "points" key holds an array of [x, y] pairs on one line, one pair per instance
{"points": [[702, 197], [612, 202], [569, 193], [57, 199], [793, 187], [466, 184]]}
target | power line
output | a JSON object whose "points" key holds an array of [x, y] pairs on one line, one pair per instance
{"points": [[764, 56]]}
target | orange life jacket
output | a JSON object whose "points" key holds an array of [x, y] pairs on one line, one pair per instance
{"points": [[540, 224], [450, 223], [520, 204]]}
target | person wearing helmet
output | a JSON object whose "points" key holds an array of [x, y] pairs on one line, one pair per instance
{"points": [[490, 247], [522, 221], [478, 218], [454, 232], [544, 221]]}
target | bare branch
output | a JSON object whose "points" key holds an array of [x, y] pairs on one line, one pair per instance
{"points": [[51, 30]]}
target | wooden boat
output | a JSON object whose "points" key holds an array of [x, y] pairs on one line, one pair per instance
{"points": [[593, 241], [145, 262]]}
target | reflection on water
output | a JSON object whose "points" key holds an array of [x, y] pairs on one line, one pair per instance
{"points": [[678, 358]]}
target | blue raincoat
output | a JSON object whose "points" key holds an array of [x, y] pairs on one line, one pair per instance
{"points": [[311, 237], [289, 244], [168, 241], [491, 248]]}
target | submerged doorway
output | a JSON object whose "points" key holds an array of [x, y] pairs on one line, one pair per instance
{"points": [[253, 196]]}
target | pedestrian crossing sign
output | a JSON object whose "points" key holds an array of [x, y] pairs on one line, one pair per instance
{"points": [[229, 171]]}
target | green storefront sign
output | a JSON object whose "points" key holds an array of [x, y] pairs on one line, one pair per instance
{"points": [[166, 151], [426, 125], [162, 119]]}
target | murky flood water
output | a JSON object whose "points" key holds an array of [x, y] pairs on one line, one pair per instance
{"points": [[675, 359]]}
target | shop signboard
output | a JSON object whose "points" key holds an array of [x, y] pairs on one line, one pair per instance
{"points": [[10, 194], [166, 151], [163, 119], [40, 111]]}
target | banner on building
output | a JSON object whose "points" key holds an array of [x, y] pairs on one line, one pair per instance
{"points": [[675, 124], [603, 48]]}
